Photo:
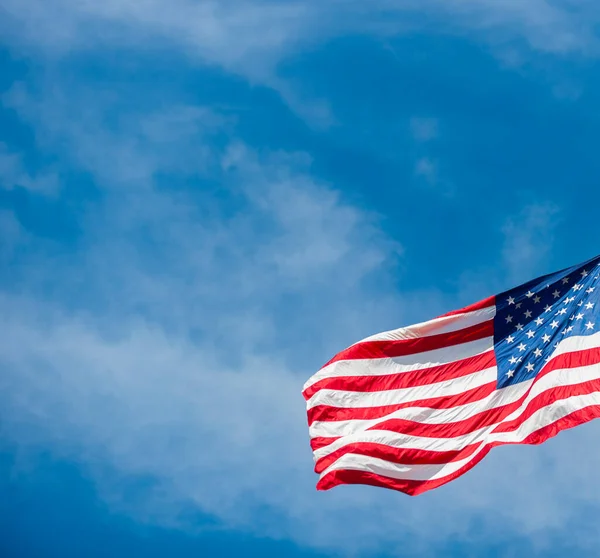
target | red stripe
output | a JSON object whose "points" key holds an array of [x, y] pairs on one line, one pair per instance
{"points": [[319, 442], [410, 487], [395, 455], [403, 347], [329, 413], [412, 457], [401, 380], [485, 418], [565, 361], [546, 398], [414, 488], [485, 303], [586, 357], [448, 429], [575, 359], [491, 416]]}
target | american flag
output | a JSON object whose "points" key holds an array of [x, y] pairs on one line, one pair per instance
{"points": [[414, 408]]}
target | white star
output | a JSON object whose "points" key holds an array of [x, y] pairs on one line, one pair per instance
{"points": [[509, 319], [519, 327], [546, 338], [530, 367], [510, 300], [518, 305], [529, 294], [522, 347], [537, 300], [577, 287], [580, 303], [513, 360], [539, 321], [530, 334], [568, 330], [548, 308], [554, 324], [556, 294], [584, 273], [510, 373], [562, 311], [590, 325], [579, 316], [538, 353], [589, 305], [565, 280], [590, 290], [569, 300], [528, 314], [510, 339]]}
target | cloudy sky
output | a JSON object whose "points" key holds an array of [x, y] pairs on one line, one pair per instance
{"points": [[202, 201]]}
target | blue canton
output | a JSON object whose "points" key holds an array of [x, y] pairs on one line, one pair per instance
{"points": [[531, 320]]}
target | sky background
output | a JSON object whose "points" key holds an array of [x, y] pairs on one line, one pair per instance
{"points": [[202, 201]]}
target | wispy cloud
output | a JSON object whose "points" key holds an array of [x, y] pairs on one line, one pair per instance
{"points": [[266, 30], [210, 278], [426, 168], [528, 240], [424, 129], [13, 173], [251, 38], [188, 330], [178, 334]]}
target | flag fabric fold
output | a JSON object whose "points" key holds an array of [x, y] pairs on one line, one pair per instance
{"points": [[414, 408]]}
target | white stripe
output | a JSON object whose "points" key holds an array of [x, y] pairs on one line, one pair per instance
{"points": [[445, 324], [425, 415], [556, 378], [354, 399], [546, 416], [542, 418], [428, 415], [577, 343], [356, 462], [401, 364], [406, 441]]}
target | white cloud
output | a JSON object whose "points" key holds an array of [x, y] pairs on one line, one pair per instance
{"points": [[179, 333], [112, 152], [427, 171], [178, 337], [13, 174], [230, 33], [12, 237], [426, 168], [266, 30], [555, 27], [251, 38], [424, 129], [528, 240]]}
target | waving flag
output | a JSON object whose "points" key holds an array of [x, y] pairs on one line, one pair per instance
{"points": [[414, 408]]}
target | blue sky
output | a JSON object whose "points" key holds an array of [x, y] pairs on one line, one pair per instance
{"points": [[201, 202]]}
